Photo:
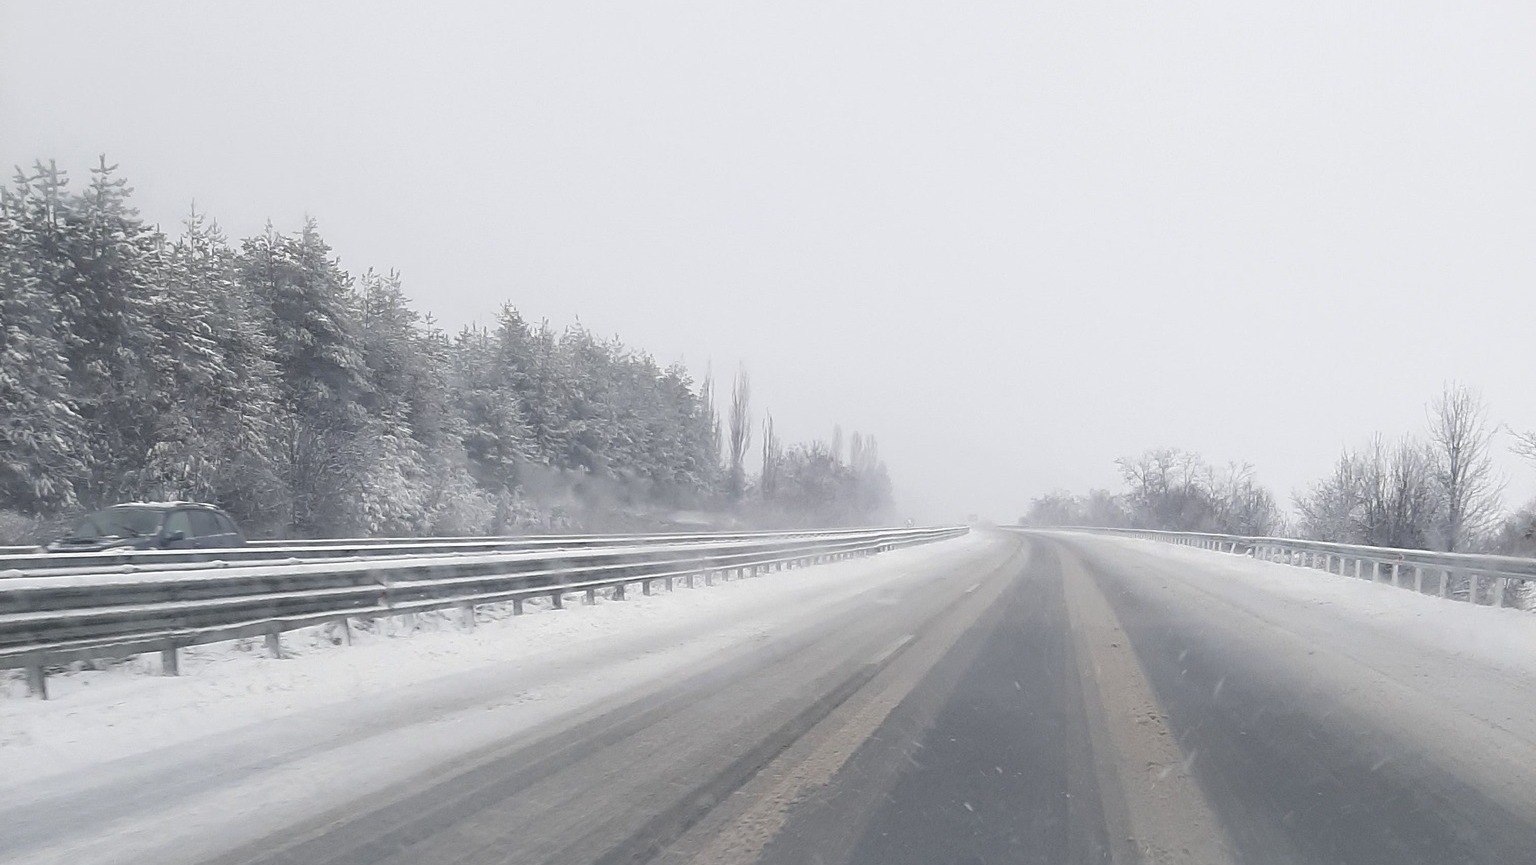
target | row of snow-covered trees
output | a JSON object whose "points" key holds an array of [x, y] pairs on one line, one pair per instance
{"points": [[1434, 490], [262, 377]]}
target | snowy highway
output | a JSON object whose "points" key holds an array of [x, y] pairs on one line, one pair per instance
{"points": [[1002, 697]]}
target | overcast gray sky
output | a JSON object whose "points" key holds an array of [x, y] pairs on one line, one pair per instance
{"points": [[1014, 240]]}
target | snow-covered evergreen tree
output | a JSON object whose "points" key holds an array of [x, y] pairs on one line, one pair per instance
{"points": [[104, 275], [42, 434], [306, 301]]}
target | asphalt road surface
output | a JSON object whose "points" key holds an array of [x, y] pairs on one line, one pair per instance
{"points": [[1028, 699]]}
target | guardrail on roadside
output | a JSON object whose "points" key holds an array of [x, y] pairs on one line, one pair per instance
{"points": [[53, 618], [1472, 577], [24, 561]]}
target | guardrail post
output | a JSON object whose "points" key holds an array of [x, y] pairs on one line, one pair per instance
{"points": [[1498, 590], [1418, 579], [168, 665], [591, 597], [557, 600], [1357, 569], [690, 581], [274, 643], [517, 606], [709, 578], [1472, 587], [1375, 571], [1445, 583], [1395, 576], [467, 616], [37, 681], [618, 592], [669, 584], [645, 587]]}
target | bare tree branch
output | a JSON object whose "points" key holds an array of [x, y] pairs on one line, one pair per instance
{"points": [[1462, 440]]}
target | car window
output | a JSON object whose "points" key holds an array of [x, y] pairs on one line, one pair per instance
{"points": [[206, 524], [119, 523], [178, 522], [227, 525]]}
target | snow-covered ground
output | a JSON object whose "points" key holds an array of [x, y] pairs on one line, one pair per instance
{"points": [[1333, 605], [537, 663]]}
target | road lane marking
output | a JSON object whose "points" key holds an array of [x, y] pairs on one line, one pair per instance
{"points": [[1168, 820], [892, 649], [747, 834]]}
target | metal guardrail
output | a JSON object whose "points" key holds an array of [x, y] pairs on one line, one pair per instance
{"points": [[52, 618], [1497, 581], [23, 561]]}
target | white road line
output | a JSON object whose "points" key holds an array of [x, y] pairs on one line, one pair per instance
{"points": [[892, 649]]}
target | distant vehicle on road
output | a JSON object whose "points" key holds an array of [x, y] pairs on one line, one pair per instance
{"points": [[151, 526]]}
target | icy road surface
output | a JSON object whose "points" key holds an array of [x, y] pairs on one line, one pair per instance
{"points": [[999, 698]]}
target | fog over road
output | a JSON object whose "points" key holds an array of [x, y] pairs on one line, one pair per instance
{"points": [[1008, 697]]}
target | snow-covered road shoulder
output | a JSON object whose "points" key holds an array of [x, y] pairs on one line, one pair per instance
{"points": [[93, 717], [1500, 639]]}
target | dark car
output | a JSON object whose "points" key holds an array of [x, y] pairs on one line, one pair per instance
{"points": [[151, 526]]}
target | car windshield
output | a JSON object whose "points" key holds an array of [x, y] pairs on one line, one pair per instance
{"points": [[119, 523]]}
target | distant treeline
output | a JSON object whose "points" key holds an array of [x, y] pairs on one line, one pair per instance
{"points": [[261, 377], [1434, 490]]}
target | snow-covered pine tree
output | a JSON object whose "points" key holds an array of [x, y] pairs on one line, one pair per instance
{"points": [[306, 301], [41, 460], [190, 374], [395, 476], [237, 409], [103, 276], [496, 438], [452, 501]]}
